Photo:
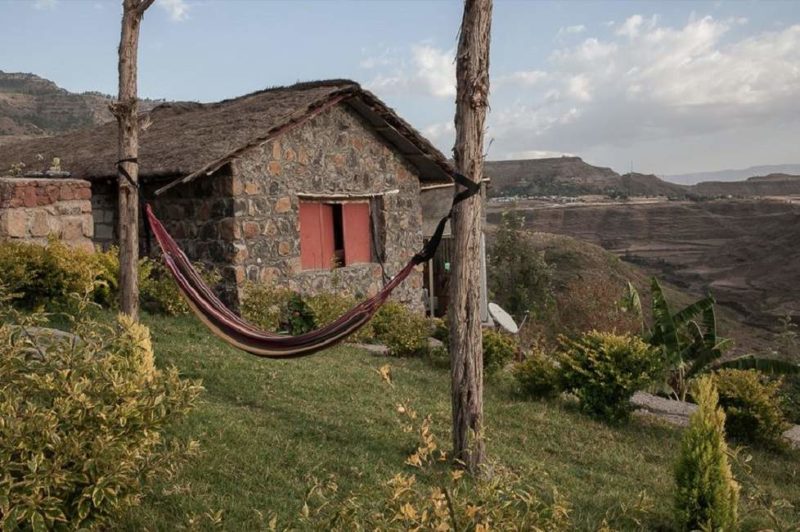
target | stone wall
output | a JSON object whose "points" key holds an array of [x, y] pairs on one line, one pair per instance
{"points": [[31, 209], [104, 212], [200, 217], [334, 153]]}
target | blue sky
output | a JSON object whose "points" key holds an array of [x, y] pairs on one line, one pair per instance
{"points": [[668, 86]]}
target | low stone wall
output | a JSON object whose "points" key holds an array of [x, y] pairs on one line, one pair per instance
{"points": [[31, 209]]}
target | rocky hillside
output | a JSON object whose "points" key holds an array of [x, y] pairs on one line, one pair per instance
{"points": [[571, 176], [31, 106]]}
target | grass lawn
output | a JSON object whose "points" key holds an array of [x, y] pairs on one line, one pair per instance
{"points": [[268, 428]]}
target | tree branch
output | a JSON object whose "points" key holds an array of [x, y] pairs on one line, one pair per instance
{"points": [[143, 5]]}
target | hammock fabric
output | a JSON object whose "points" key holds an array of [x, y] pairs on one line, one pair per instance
{"points": [[234, 330]]}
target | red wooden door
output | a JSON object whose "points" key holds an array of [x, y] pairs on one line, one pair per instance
{"points": [[357, 234], [316, 236]]}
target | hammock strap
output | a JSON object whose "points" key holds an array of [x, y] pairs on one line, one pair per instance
{"points": [[471, 188], [140, 195]]}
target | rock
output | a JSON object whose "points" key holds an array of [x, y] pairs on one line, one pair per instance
{"points": [[434, 343], [793, 435], [678, 413], [375, 349]]}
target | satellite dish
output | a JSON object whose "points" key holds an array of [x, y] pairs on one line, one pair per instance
{"points": [[503, 318]]}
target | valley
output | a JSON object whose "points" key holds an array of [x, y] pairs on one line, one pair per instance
{"points": [[745, 251]]}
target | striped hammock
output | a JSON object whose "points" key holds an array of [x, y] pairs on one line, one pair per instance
{"points": [[237, 332]]}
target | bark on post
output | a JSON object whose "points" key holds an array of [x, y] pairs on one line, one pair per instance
{"points": [[466, 349], [125, 109]]}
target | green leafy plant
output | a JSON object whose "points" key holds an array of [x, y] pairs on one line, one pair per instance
{"points": [[329, 307], [520, 280], [158, 291], [83, 423], [441, 330], [752, 406], [404, 332], [707, 495], [604, 370], [790, 398], [499, 349], [299, 317], [538, 376], [265, 306], [690, 344], [46, 275]]}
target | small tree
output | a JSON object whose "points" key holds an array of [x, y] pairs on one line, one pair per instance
{"points": [[707, 496], [519, 278]]}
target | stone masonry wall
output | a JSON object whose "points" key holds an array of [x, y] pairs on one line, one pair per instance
{"points": [[104, 212], [199, 216], [31, 209], [334, 153]]}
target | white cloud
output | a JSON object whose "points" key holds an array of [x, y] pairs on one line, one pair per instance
{"points": [[429, 70], [578, 88], [645, 87], [571, 30], [537, 154], [178, 10], [522, 78], [649, 83], [44, 5]]}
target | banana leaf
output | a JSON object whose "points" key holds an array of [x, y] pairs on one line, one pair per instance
{"points": [[771, 366]]}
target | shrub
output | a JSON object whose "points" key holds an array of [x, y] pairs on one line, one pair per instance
{"points": [[538, 376], [441, 330], [327, 308], [46, 275], [453, 503], [158, 291], [752, 406], [49, 275], [106, 290], [707, 495], [404, 332], [81, 424], [276, 309], [498, 350], [790, 398], [439, 357], [604, 370]]}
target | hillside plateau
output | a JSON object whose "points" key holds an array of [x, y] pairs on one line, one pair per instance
{"points": [[571, 176]]}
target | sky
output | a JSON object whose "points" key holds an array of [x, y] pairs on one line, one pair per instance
{"points": [[662, 87]]}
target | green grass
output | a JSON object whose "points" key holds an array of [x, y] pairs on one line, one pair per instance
{"points": [[267, 428]]}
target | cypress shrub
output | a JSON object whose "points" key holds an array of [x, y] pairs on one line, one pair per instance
{"points": [[707, 495]]}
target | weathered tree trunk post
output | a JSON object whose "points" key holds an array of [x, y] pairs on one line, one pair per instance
{"points": [[125, 110], [466, 346]]}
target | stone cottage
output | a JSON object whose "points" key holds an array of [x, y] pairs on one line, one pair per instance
{"points": [[315, 186]]}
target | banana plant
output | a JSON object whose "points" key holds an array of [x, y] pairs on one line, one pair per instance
{"points": [[689, 341]]}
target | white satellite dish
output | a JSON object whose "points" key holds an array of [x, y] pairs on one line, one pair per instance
{"points": [[503, 318]]}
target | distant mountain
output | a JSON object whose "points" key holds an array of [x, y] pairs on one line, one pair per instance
{"points": [[571, 176], [32, 106], [768, 185], [732, 175]]}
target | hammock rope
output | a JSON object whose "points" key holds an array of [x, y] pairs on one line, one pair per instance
{"points": [[231, 328]]}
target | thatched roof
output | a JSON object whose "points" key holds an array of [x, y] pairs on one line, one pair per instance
{"points": [[191, 139]]}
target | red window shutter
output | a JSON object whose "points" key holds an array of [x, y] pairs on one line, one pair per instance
{"points": [[316, 235], [357, 234]]}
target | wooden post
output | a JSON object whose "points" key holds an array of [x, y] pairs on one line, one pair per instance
{"points": [[466, 349], [125, 110]]}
